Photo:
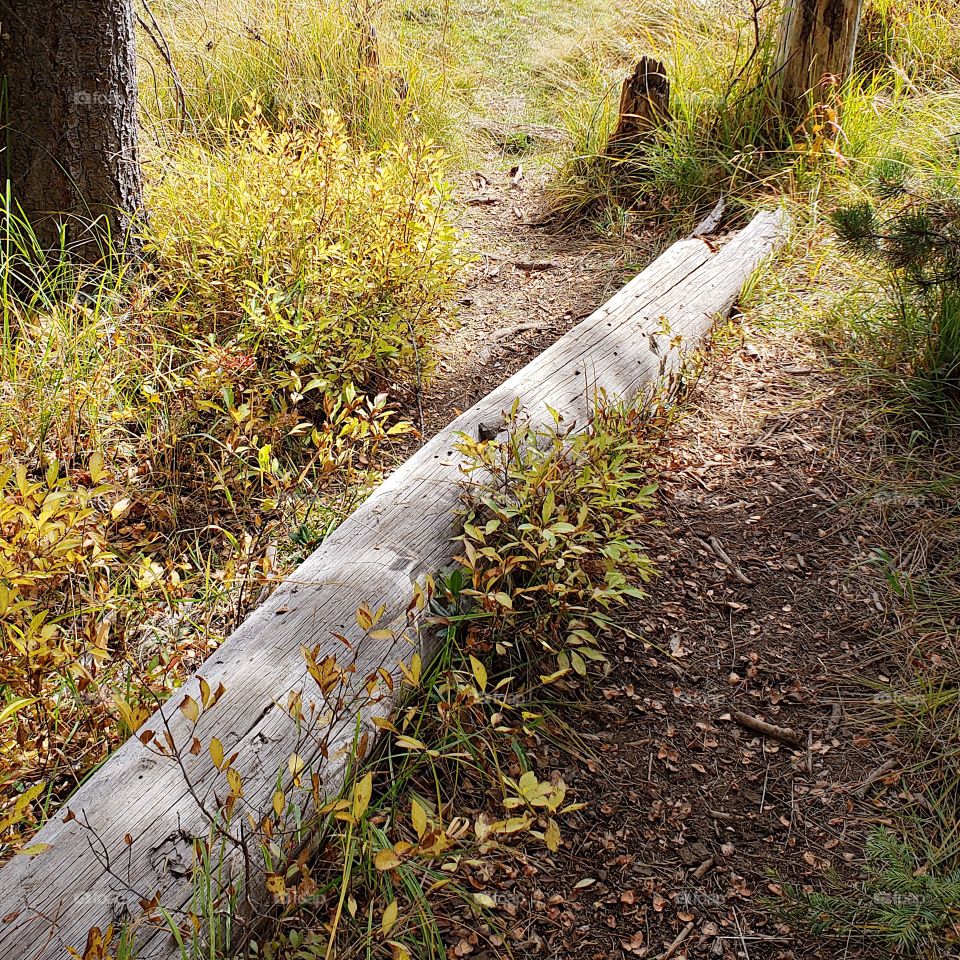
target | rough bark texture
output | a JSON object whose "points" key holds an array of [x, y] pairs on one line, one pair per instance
{"points": [[817, 39], [69, 68], [644, 105]]}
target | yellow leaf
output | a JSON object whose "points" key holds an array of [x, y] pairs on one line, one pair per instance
{"points": [[485, 900], [216, 752], [528, 783], [418, 816], [412, 673], [364, 617], [361, 796], [515, 824], [389, 917], [120, 508], [551, 836], [276, 885], [279, 802], [96, 467], [190, 708], [235, 781], [15, 706], [479, 672], [295, 765], [399, 951], [386, 860], [35, 849], [27, 797]]}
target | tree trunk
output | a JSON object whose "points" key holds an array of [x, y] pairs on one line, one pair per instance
{"points": [[69, 71], [817, 40]]}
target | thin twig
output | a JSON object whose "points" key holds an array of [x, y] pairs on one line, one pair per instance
{"points": [[681, 936], [771, 730], [156, 35], [873, 777]]}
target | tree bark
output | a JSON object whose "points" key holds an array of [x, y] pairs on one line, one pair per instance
{"points": [[818, 39], [644, 106], [69, 72]]}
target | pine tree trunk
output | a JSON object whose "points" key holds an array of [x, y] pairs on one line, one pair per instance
{"points": [[817, 40], [69, 69]]}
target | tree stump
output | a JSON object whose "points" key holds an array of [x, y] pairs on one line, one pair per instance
{"points": [[818, 39], [644, 106]]}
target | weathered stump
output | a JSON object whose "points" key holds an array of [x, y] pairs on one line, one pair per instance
{"points": [[818, 39], [644, 106]]}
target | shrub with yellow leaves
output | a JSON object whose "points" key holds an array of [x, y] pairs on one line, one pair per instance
{"points": [[303, 252], [172, 439]]}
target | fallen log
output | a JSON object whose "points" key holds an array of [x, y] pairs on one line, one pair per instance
{"points": [[127, 835]]}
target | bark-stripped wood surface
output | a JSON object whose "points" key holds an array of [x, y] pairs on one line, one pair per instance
{"points": [[129, 832], [818, 39]]}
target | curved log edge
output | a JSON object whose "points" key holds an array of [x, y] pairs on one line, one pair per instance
{"points": [[128, 835]]}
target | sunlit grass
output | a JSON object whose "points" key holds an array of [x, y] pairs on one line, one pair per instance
{"points": [[292, 58]]}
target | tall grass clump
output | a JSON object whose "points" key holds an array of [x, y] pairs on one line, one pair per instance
{"points": [[724, 134], [720, 136], [920, 39], [207, 61]]}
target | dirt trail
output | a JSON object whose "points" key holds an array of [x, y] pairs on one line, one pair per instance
{"points": [[763, 605], [528, 286]]}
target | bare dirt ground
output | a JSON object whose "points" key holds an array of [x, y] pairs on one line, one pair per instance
{"points": [[527, 287], [764, 604]]}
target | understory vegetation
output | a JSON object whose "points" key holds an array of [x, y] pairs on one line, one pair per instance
{"points": [[172, 440], [438, 815], [176, 439]]}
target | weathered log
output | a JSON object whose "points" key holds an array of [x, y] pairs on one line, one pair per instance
{"points": [[644, 106], [128, 835], [818, 39]]}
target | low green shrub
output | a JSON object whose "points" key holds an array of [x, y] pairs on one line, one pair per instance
{"points": [[550, 549], [903, 904]]}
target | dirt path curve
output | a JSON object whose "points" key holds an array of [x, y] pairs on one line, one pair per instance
{"points": [[764, 604]]}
